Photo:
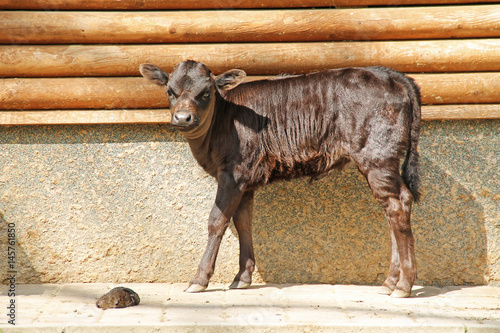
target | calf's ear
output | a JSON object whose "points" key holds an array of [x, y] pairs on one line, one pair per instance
{"points": [[154, 74], [229, 79]]}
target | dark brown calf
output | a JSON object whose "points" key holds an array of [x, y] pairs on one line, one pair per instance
{"points": [[249, 134]]}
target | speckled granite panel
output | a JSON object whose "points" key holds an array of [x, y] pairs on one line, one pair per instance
{"points": [[128, 203]]}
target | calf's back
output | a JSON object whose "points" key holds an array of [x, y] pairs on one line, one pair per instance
{"points": [[306, 125]]}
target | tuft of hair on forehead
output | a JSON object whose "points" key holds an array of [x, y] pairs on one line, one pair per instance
{"points": [[190, 75], [187, 66]]}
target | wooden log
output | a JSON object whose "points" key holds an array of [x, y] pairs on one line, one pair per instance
{"points": [[162, 116], [74, 117], [460, 88], [20, 27], [470, 55], [80, 93], [461, 112], [136, 92], [210, 4]]}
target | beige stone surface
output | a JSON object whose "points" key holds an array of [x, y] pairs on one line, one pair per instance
{"points": [[129, 204], [262, 308]]}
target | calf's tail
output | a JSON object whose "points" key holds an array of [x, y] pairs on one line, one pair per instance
{"points": [[410, 169]]}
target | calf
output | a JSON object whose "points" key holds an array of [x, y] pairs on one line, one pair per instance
{"points": [[250, 134]]}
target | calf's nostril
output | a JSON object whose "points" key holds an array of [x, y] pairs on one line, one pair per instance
{"points": [[183, 118]]}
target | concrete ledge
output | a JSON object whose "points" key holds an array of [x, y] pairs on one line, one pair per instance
{"points": [[263, 308]]}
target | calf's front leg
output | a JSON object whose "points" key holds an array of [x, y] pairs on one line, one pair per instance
{"points": [[243, 222], [227, 200]]}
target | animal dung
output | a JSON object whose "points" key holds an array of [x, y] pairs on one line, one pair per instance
{"points": [[119, 297]]}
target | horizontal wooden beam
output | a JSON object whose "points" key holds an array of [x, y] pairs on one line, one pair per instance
{"points": [[49, 27], [461, 112], [459, 88], [162, 116], [78, 117], [137, 93], [80, 93], [470, 55], [209, 4]]}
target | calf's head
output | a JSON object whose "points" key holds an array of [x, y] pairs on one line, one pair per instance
{"points": [[192, 92]]}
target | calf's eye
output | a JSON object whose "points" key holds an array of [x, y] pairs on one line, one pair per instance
{"points": [[170, 94]]}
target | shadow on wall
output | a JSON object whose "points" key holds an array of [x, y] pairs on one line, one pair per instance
{"points": [[21, 259], [334, 231], [77, 196]]}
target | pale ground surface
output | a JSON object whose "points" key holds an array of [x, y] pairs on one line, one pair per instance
{"points": [[263, 308]]}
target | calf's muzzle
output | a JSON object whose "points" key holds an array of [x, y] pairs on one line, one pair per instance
{"points": [[183, 118]]}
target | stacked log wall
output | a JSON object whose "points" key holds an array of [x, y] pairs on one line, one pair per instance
{"points": [[73, 61]]}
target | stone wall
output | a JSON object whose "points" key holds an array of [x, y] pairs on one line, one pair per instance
{"points": [[128, 203]]}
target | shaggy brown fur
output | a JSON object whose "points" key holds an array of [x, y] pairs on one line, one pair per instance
{"points": [[249, 134]]}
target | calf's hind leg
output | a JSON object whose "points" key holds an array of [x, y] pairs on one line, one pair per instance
{"points": [[392, 279], [389, 189]]}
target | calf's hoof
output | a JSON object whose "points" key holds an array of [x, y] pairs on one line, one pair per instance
{"points": [[384, 290], [239, 285], [195, 288], [398, 293]]}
